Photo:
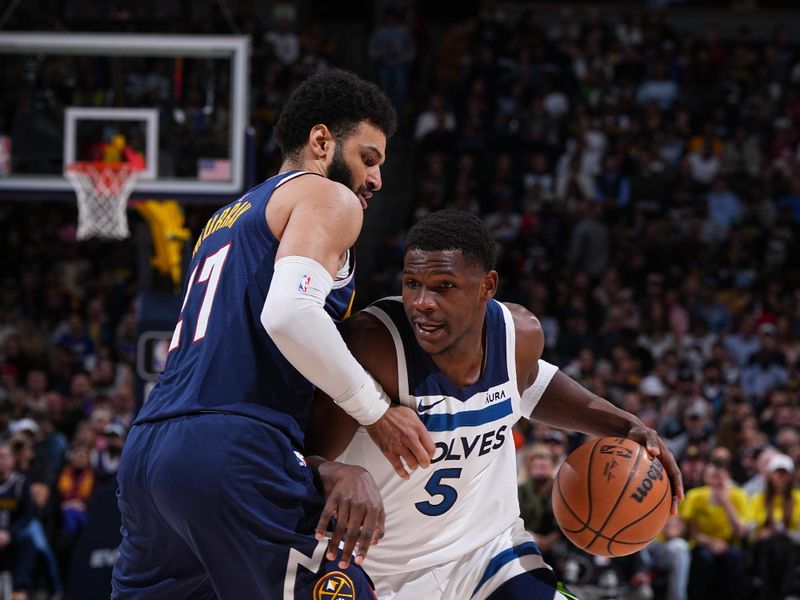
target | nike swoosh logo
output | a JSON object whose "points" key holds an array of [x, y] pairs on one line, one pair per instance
{"points": [[424, 407]]}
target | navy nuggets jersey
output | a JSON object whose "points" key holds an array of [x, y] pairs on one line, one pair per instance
{"points": [[220, 357], [468, 496]]}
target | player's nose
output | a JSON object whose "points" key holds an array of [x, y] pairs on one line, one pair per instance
{"points": [[374, 181], [424, 301]]}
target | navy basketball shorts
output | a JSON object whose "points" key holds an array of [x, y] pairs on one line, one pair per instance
{"points": [[221, 506]]}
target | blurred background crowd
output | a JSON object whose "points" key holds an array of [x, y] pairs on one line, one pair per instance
{"points": [[643, 185]]}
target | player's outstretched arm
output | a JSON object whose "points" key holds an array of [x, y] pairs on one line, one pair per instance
{"points": [[558, 400], [352, 496], [316, 227], [568, 405]]}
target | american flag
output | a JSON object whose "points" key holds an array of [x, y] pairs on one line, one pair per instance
{"points": [[214, 169]]}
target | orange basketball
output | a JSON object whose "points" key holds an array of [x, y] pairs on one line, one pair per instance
{"points": [[611, 497]]}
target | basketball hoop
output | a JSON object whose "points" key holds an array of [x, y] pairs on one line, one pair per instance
{"points": [[103, 190]]}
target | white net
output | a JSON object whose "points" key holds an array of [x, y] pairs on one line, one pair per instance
{"points": [[103, 190]]}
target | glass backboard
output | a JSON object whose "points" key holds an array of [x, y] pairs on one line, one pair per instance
{"points": [[179, 101]]}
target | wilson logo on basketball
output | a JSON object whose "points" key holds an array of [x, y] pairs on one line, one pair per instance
{"points": [[656, 471]]}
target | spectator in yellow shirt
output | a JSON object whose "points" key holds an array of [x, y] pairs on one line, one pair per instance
{"points": [[775, 518], [716, 514]]}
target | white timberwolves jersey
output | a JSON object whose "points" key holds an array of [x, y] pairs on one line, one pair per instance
{"points": [[468, 496]]}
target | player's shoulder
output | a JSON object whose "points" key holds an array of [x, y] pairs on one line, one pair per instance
{"points": [[371, 342], [366, 335], [315, 203], [528, 343], [314, 188], [526, 324], [364, 324]]}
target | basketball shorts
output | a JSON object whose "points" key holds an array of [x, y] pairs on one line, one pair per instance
{"points": [[221, 506], [509, 568]]}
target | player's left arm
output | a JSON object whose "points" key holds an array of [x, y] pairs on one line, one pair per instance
{"points": [[554, 398]]}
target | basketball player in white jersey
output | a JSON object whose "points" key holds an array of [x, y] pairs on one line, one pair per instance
{"points": [[470, 368]]}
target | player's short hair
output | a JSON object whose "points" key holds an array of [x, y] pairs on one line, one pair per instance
{"points": [[337, 99], [452, 229]]}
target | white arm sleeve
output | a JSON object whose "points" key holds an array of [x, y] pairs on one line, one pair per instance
{"points": [[531, 396], [294, 317]]}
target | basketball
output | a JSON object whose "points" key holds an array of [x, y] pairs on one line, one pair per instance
{"points": [[610, 497]]}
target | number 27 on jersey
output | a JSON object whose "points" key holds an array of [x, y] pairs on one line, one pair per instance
{"points": [[209, 274]]}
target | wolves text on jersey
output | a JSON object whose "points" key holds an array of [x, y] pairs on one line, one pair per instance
{"points": [[461, 447]]}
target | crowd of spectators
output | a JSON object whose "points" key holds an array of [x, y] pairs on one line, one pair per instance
{"points": [[67, 343], [644, 188]]}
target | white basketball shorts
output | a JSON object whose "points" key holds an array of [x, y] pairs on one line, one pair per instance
{"points": [[509, 568]]}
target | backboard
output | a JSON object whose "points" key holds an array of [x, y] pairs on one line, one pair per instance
{"points": [[179, 101], [84, 126]]}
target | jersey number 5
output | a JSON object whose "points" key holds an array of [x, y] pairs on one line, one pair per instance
{"points": [[209, 274], [435, 487]]}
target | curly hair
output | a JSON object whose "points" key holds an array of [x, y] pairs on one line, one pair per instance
{"points": [[338, 99], [452, 229]]}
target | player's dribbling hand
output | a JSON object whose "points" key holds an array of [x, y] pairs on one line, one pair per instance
{"points": [[655, 447], [399, 433], [351, 496]]}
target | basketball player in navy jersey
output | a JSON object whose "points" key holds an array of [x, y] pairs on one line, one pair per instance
{"points": [[216, 496], [470, 367]]}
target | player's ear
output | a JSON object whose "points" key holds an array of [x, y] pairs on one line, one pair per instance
{"points": [[489, 286], [320, 141]]}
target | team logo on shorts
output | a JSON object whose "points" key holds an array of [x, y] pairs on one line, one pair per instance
{"points": [[334, 586], [304, 282]]}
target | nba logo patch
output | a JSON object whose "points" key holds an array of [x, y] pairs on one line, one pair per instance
{"points": [[300, 458], [304, 283], [334, 586]]}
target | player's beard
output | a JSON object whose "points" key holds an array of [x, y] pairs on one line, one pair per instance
{"points": [[339, 172]]}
